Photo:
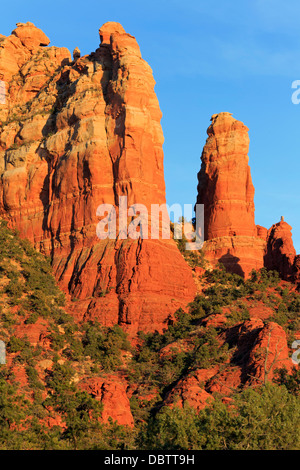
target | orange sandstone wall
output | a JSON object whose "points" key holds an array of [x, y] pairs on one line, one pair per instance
{"points": [[226, 190], [76, 134]]}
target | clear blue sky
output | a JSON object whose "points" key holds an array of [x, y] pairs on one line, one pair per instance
{"points": [[207, 57]]}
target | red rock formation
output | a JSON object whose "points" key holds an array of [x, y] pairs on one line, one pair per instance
{"points": [[259, 350], [256, 351], [188, 391], [226, 382], [280, 252], [215, 320], [270, 352], [112, 394], [75, 135], [296, 271], [262, 232], [226, 190], [225, 185]]}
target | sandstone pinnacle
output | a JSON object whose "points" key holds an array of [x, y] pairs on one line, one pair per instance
{"points": [[225, 188], [83, 133]]}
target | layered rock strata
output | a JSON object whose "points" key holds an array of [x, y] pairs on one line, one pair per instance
{"points": [[225, 188], [75, 135]]}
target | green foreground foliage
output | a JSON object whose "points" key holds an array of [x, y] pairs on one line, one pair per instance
{"points": [[264, 417]]}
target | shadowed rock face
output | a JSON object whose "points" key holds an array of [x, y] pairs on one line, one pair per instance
{"points": [[226, 190], [280, 253], [225, 185], [75, 135]]}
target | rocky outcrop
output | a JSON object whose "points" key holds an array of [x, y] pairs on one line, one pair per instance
{"points": [[189, 391], [74, 135], [18, 48], [257, 349], [112, 394], [226, 190], [270, 352], [280, 252]]}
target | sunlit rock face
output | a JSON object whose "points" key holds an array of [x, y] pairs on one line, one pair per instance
{"points": [[76, 134], [225, 188], [280, 252]]}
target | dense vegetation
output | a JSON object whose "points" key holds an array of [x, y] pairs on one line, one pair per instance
{"points": [[264, 417]]}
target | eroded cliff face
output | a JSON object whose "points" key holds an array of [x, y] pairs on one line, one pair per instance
{"points": [[280, 252], [226, 190], [225, 185], [74, 135]]}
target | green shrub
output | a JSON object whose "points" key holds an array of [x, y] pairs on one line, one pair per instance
{"points": [[16, 344], [33, 378], [262, 419], [104, 345]]}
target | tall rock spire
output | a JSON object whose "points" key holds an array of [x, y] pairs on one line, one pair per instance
{"points": [[226, 190], [75, 135], [225, 185]]}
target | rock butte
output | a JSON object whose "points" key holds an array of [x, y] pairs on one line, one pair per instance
{"points": [[74, 135], [225, 188]]}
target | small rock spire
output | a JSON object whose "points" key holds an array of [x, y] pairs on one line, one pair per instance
{"points": [[76, 54]]}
